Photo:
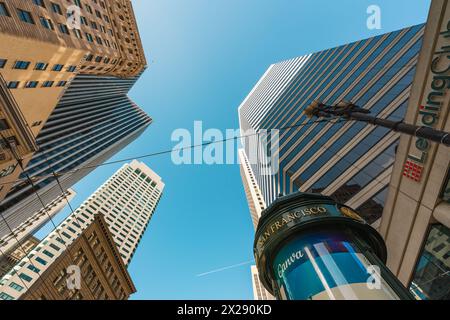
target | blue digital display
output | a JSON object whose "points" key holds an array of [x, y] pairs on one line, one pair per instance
{"points": [[315, 264]]}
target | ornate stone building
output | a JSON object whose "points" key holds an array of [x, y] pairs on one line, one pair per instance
{"points": [[103, 275], [17, 253]]}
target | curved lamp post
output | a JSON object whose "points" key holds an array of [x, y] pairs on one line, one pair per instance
{"points": [[307, 246]]}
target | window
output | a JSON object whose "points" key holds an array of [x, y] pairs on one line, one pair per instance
{"points": [[65, 234], [3, 63], [55, 247], [16, 286], [23, 65], [78, 33], [4, 124], [58, 67], [25, 16], [48, 253], [41, 66], [33, 268], [56, 8], [41, 261], [3, 10], [63, 28], [39, 3], [13, 141], [431, 279], [46, 23], [71, 230], [47, 84], [84, 20], [78, 3], [13, 84], [89, 37], [60, 240], [61, 84], [5, 296], [25, 277], [71, 68], [31, 84]]}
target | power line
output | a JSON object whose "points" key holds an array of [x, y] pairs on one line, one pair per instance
{"points": [[26, 255], [19, 162], [158, 153], [21, 280]]}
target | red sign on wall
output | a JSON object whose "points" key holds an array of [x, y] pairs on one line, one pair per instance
{"points": [[412, 170]]}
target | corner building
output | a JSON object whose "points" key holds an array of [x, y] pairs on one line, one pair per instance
{"points": [[40, 55], [416, 218]]}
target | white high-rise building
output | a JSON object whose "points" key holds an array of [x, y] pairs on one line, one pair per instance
{"points": [[256, 205], [259, 292], [255, 199], [127, 202]]}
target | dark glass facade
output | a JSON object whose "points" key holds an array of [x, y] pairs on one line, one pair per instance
{"points": [[341, 160]]}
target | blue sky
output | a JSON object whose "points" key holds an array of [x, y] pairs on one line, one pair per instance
{"points": [[204, 57]]}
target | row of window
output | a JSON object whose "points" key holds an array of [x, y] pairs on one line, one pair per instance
{"points": [[35, 84], [56, 8], [39, 66], [47, 23]]}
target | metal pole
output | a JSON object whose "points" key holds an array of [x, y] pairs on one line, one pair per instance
{"points": [[353, 112]]}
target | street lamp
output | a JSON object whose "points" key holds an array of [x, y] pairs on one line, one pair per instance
{"points": [[352, 112], [307, 246]]}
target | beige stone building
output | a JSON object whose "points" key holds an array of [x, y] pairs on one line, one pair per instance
{"points": [[416, 218], [17, 253], [14, 128], [46, 43], [103, 275]]}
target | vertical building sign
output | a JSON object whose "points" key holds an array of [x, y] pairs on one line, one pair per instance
{"points": [[434, 98]]}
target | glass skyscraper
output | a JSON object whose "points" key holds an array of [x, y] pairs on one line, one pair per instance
{"points": [[347, 160], [93, 121]]}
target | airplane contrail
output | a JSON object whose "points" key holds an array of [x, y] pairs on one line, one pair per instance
{"points": [[226, 268]]}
